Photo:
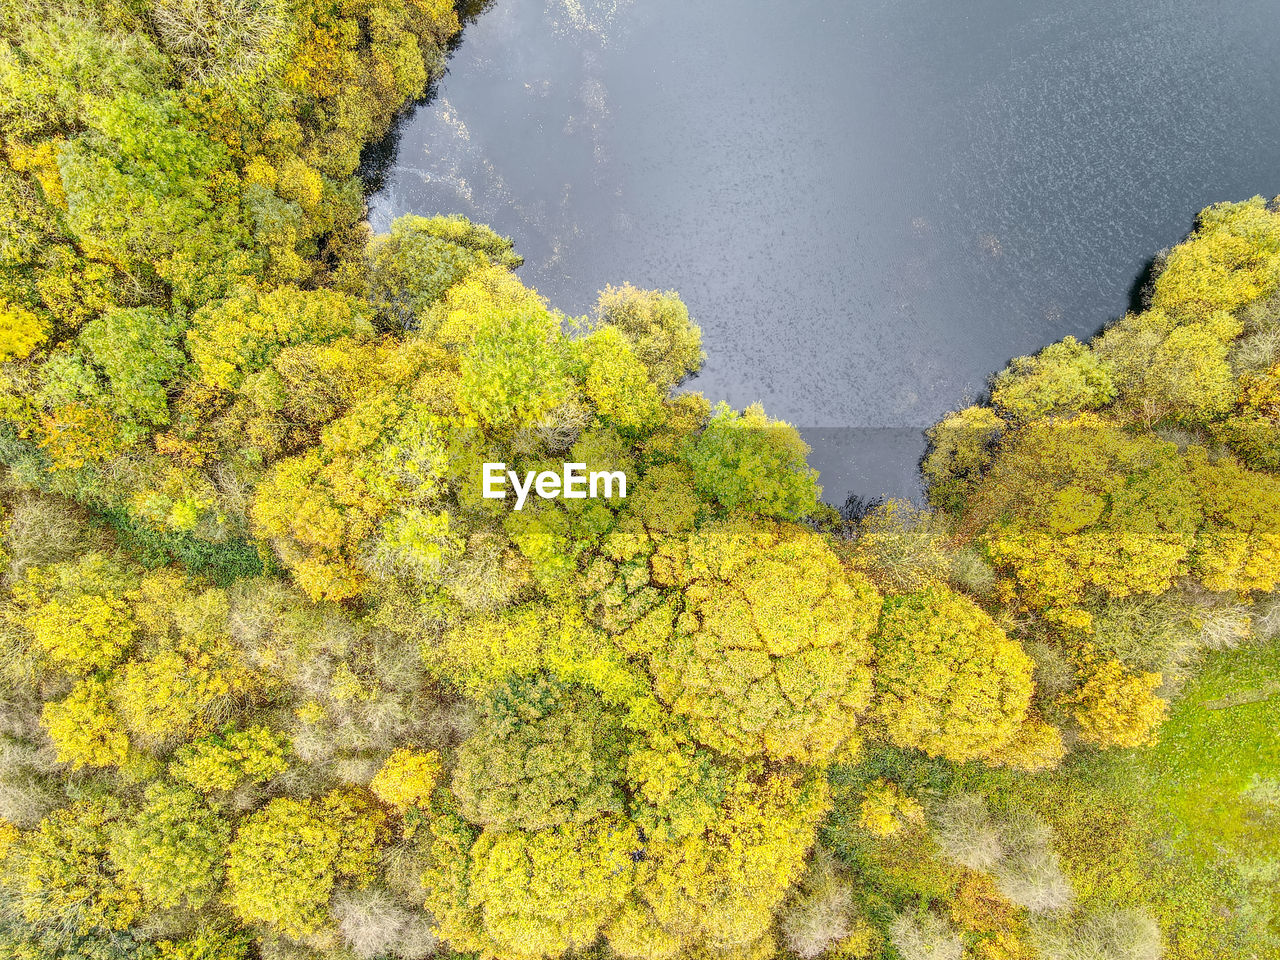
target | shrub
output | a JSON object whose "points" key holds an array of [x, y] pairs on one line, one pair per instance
{"points": [[1118, 934], [979, 907], [822, 917], [926, 937], [965, 832], [42, 531], [971, 572], [224, 761], [1035, 747], [407, 778], [885, 809], [1146, 633], [961, 448], [372, 924], [1029, 872], [902, 549], [220, 41], [208, 943], [26, 799]]}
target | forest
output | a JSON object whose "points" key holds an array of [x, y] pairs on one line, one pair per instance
{"points": [[278, 683]]}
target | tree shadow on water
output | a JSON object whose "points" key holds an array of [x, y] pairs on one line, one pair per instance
{"points": [[378, 158], [1144, 283]]}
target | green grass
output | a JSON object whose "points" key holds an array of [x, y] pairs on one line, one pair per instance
{"points": [[1185, 827]]}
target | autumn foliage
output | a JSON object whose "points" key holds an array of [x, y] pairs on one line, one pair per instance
{"points": [[278, 683]]}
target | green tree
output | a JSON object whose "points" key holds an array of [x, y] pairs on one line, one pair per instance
{"points": [[513, 372], [172, 848], [190, 674], [138, 352], [143, 191], [1231, 259], [407, 778], [1164, 367], [21, 331], [1238, 545], [413, 266], [63, 54], [658, 327], [233, 338], [544, 754], [677, 787], [1071, 505], [616, 383], [367, 497], [751, 462], [1065, 377]]}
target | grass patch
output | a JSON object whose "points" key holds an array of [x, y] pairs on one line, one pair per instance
{"points": [[1189, 827]]}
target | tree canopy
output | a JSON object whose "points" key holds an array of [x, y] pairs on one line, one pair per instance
{"points": [[277, 682]]}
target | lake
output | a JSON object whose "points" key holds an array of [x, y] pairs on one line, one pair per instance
{"points": [[868, 207]]}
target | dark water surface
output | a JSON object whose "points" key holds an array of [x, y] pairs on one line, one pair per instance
{"points": [[869, 207]]}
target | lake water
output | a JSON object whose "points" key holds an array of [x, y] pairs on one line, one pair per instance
{"points": [[869, 207]]}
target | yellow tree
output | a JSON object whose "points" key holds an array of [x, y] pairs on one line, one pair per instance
{"points": [[716, 891], [1238, 545], [948, 680], [286, 858], [1115, 706], [549, 892], [1080, 504], [769, 652]]}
